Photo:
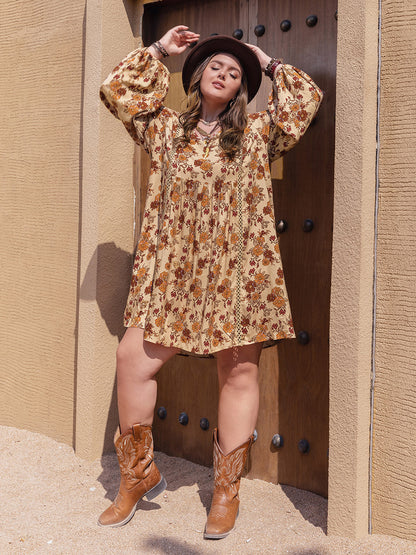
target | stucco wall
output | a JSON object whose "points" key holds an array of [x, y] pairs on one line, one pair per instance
{"points": [[352, 267], [394, 468], [41, 55], [67, 213], [107, 218]]}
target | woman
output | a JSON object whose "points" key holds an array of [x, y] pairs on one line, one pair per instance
{"points": [[207, 276]]}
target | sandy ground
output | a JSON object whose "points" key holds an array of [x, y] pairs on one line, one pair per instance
{"points": [[50, 501]]}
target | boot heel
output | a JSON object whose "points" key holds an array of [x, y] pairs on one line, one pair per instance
{"points": [[154, 492]]}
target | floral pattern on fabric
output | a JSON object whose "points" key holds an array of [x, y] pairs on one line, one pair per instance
{"points": [[208, 273]]}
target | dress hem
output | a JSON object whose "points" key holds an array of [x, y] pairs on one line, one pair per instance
{"points": [[268, 342]]}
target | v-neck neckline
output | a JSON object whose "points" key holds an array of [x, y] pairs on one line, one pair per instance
{"points": [[204, 136]]}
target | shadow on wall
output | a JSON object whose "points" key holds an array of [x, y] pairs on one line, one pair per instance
{"points": [[107, 281], [134, 16]]}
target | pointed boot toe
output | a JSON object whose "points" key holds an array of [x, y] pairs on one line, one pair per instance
{"points": [[139, 475], [225, 500]]}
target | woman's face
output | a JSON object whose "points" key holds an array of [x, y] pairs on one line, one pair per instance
{"points": [[221, 79]]}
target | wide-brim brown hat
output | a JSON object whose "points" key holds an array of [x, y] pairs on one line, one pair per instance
{"points": [[227, 45]]}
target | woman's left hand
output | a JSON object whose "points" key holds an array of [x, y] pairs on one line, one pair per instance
{"points": [[263, 58]]}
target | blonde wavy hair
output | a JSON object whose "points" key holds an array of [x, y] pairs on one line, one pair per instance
{"points": [[233, 120]]}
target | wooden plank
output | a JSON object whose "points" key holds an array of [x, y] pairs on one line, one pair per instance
{"points": [[265, 457], [306, 191], [176, 97], [187, 384], [206, 18]]}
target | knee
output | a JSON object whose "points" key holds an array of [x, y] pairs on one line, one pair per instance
{"points": [[130, 363], [134, 363], [125, 354], [242, 376]]}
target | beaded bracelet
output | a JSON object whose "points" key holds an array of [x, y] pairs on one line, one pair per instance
{"points": [[271, 67], [159, 46]]}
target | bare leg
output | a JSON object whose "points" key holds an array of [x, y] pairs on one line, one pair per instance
{"points": [[239, 395], [138, 362]]}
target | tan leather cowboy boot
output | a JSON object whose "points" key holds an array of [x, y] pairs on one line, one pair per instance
{"points": [[225, 501], [139, 475]]}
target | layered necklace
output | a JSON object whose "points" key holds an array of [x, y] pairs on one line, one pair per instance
{"points": [[208, 123], [207, 135]]}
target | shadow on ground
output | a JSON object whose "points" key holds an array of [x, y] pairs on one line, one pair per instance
{"points": [[318, 551], [170, 545], [190, 475], [316, 513]]}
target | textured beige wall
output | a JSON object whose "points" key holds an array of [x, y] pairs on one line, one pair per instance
{"points": [[67, 212], [394, 466], [107, 227], [40, 88], [352, 270]]}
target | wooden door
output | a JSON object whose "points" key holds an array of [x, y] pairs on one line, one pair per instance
{"points": [[304, 200], [294, 375]]}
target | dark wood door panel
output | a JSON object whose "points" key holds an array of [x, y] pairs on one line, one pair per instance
{"points": [[294, 377], [204, 17], [306, 193], [187, 384]]}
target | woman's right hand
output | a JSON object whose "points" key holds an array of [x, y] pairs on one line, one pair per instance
{"points": [[175, 41]]}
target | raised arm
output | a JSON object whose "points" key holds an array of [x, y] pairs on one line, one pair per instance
{"points": [[135, 90], [292, 104]]}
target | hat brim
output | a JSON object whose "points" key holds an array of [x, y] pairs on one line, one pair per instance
{"points": [[228, 45]]}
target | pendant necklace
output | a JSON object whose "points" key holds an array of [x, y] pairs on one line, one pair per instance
{"points": [[208, 137]]}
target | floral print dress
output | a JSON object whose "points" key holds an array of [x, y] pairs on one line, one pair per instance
{"points": [[208, 274]]}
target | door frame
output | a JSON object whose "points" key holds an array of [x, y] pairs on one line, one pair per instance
{"points": [[351, 311]]}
